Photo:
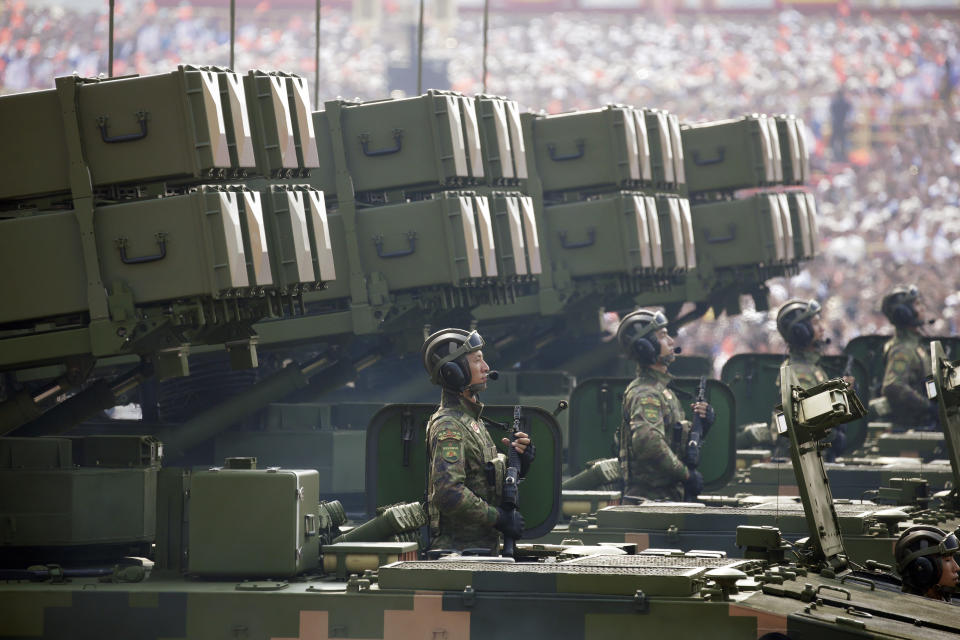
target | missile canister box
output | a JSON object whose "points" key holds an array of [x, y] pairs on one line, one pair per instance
{"points": [[502, 148], [131, 130], [161, 249], [253, 522], [732, 154], [414, 143], [590, 150], [515, 231], [793, 148], [803, 216], [752, 230], [662, 135], [619, 234]]}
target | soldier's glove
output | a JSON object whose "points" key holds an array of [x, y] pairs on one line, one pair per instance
{"points": [[526, 458], [509, 523], [693, 485], [709, 419]]}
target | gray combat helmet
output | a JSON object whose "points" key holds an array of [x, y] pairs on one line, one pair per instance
{"points": [[793, 321], [919, 554], [444, 357], [637, 335], [900, 306]]}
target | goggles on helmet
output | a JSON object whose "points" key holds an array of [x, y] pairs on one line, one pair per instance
{"points": [[657, 322]]}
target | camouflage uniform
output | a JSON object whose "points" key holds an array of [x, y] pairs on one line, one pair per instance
{"points": [[463, 487], [806, 365], [649, 466], [907, 364]]}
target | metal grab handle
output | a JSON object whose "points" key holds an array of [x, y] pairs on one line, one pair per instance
{"points": [[127, 137], [731, 229], [161, 240], [552, 149], [833, 588], [859, 579], [411, 239], [591, 239], [721, 153], [365, 144]]}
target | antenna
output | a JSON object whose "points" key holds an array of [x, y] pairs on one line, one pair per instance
{"points": [[233, 31], [486, 27], [113, 6], [420, 51]]}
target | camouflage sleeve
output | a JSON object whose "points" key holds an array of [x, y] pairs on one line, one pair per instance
{"points": [[903, 398], [648, 439], [448, 474]]}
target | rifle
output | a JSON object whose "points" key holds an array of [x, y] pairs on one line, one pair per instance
{"points": [[698, 433], [511, 480]]}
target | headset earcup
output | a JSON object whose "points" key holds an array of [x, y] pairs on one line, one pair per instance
{"points": [[453, 376], [646, 349], [924, 572], [903, 314], [801, 334]]}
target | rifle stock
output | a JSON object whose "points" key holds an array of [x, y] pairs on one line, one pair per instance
{"points": [[511, 480]]}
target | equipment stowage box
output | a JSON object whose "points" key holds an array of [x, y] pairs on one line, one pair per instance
{"points": [[253, 522]]}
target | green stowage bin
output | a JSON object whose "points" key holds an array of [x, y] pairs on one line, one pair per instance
{"points": [[428, 243], [176, 247], [732, 154], [666, 149], [285, 211], [793, 148], [741, 232], [501, 139], [617, 235], [595, 149], [676, 233], [71, 505], [281, 123], [132, 130], [515, 232], [253, 522], [414, 143]]}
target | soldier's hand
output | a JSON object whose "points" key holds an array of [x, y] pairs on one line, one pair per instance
{"points": [[693, 485], [850, 380], [509, 523], [705, 411], [520, 443]]}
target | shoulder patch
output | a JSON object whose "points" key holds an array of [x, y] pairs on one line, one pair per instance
{"points": [[898, 365], [449, 434], [450, 450], [650, 408]]}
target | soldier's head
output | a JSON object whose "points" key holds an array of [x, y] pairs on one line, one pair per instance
{"points": [[927, 560], [903, 306], [798, 321], [643, 337], [454, 360]]}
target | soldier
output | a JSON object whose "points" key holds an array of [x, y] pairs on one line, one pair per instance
{"points": [[466, 471], [906, 360], [652, 414], [927, 561]]}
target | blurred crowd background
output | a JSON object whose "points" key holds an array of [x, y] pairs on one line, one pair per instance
{"points": [[878, 93]]}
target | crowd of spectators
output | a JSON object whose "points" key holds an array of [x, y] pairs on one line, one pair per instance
{"points": [[876, 93]]}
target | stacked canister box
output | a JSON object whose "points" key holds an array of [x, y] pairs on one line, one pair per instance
{"points": [[431, 188], [744, 176], [175, 214], [613, 181]]}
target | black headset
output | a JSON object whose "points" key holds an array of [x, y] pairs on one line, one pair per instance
{"points": [[798, 331], [452, 370], [900, 308], [644, 348], [918, 569], [454, 374]]}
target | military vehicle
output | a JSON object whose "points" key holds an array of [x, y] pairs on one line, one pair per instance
{"points": [[567, 593]]}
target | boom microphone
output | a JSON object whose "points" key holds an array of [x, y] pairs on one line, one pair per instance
{"points": [[677, 350], [493, 374]]}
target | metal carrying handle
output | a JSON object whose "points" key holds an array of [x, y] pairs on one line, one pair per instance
{"points": [[731, 229], [833, 588], [141, 117], [365, 144], [700, 162], [589, 242], [552, 149], [411, 239], [161, 241]]}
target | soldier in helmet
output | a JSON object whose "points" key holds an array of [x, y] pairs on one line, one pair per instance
{"points": [[466, 471], [651, 413], [927, 561], [906, 361]]}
